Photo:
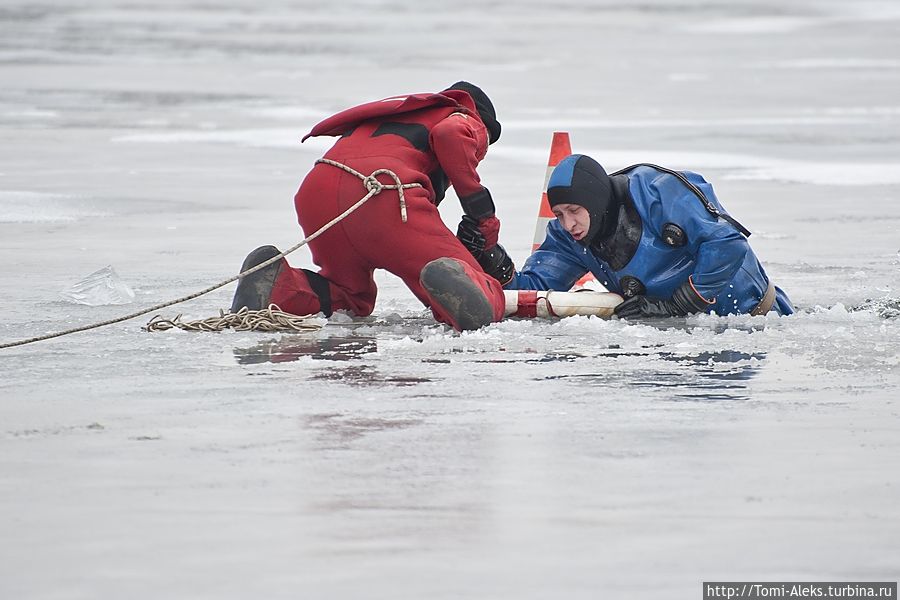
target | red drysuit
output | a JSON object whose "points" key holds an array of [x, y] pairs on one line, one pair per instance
{"points": [[431, 139]]}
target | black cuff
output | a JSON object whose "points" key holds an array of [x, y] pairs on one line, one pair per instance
{"points": [[479, 205], [688, 300]]}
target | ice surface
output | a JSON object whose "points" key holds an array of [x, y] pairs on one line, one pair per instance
{"points": [[101, 288], [36, 207], [389, 457]]}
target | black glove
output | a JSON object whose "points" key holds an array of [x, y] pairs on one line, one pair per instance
{"points": [[494, 260], [497, 263], [684, 301], [470, 235]]}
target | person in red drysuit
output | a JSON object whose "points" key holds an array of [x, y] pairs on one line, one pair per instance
{"points": [[434, 140]]}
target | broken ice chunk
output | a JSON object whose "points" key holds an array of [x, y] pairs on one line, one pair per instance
{"points": [[100, 288]]}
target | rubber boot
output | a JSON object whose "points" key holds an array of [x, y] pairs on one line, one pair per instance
{"points": [[456, 296], [254, 290]]}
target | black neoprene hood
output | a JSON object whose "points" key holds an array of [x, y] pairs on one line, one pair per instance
{"points": [[581, 180], [483, 105]]}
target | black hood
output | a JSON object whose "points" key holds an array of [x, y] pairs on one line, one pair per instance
{"points": [[581, 180], [484, 107]]}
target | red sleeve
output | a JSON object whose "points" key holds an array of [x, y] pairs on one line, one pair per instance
{"points": [[459, 143]]}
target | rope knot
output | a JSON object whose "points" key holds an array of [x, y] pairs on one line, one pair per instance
{"points": [[373, 185]]}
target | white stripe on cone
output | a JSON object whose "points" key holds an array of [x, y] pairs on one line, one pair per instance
{"points": [[540, 231]]}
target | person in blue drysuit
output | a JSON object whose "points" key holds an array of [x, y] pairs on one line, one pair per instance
{"points": [[659, 238]]}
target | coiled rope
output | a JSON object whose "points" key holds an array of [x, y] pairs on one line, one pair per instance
{"points": [[269, 319], [372, 185]]}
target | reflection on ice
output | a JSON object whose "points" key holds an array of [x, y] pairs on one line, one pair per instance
{"points": [[292, 348], [706, 376], [339, 428], [365, 375], [715, 379], [549, 357]]}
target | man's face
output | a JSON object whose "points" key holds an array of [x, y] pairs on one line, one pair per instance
{"points": [[574, 218]]}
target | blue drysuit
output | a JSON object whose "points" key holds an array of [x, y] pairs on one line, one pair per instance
{"points": [[715, 256]]}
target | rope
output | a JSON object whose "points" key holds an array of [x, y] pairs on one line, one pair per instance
{"points": [[269, 319], [371, 184], [374, 186]]}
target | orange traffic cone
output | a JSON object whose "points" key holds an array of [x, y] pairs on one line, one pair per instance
{"points": [[560, 148]]}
